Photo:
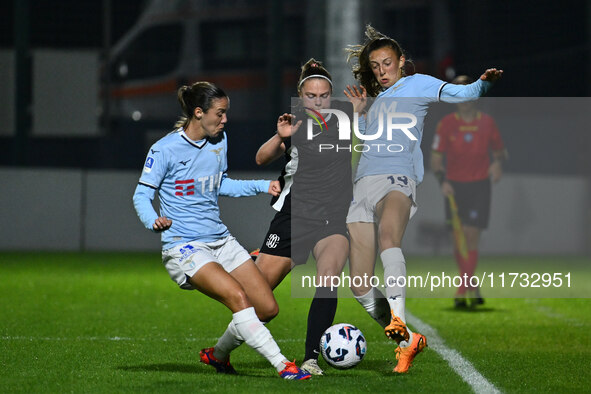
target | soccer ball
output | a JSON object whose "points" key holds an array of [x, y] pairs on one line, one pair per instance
{"points": [[343, 346]]}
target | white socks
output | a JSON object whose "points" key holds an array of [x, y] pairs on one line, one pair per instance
{"points": [[394, 277], [258, 337], [376, 305], [229, 341]]}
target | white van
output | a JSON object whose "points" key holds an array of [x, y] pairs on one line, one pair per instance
{"points": [[177, 42]]}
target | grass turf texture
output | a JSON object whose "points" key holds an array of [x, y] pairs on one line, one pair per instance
{"points": [[100, 322]]}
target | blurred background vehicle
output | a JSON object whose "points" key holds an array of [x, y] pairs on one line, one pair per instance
{"points": [[88, 86]]}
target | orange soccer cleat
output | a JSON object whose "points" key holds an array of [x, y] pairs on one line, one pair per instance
{"points": [[396, 330], [405, 355]]}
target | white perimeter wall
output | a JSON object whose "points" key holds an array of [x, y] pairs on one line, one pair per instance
{"points": [[65, 98], [45, 209]]}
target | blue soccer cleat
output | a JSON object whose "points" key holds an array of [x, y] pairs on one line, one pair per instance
{"points": [[292, 372], [207, 357]]}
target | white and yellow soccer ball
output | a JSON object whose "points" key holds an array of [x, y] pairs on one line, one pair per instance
{"points": [[343, 346]]}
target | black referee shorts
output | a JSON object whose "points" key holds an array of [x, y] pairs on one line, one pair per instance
{"points": [[473, 200], [296, 237]]}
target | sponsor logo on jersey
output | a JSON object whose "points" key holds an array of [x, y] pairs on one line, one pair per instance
{"points": [[184, 187], [188, 187], [149, 164], [468, 137], [272, 241]]}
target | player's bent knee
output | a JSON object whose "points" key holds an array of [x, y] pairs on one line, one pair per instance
{"points": [[237, 300], [268, 312], [388, 239], [330, 272]]}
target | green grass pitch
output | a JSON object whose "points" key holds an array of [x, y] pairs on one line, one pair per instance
{"points": [[115, 322]]}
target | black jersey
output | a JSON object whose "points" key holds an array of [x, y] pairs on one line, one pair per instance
{"points": [[317, 184]]}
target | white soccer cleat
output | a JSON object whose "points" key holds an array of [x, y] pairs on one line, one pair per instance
{"points": [[311, 366]]}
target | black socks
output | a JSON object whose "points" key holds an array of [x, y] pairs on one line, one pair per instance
{"points": [[320, 317]]}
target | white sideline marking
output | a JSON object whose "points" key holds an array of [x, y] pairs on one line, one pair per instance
{"points": [[551, 313], [123, 339], [459, 364]]}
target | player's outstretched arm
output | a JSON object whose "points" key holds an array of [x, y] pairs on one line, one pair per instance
{"points": [[274, 188], [491, 75], [243, 187], [270, 151], [287, 126], [452, 93], [357, 96], [275, 147]]}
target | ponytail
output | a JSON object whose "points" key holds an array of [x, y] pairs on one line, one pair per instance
{"points": [[313, 69], [197, 95]]}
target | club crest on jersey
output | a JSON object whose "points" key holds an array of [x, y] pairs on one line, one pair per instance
{"points": [[217, 154], [149, 164], [468, 137], [272, 241]]}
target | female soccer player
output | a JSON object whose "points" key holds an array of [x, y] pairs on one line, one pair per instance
{"points": [[466, 139], [384, 192], [188, 169], [313, 204]]}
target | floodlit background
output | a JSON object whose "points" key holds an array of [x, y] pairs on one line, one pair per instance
{"points": [[86, 86], [89, 86]]}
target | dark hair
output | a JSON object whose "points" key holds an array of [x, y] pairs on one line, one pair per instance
{"points": [[362, 70], [199, 94], [462, 80], [313, 67]]}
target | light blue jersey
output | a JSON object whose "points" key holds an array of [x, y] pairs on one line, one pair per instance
{"points": [[403, 106], [189, 176]]}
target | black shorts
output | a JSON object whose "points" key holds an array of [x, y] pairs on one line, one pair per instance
{"points": [[473, 200], [306, 233]]}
